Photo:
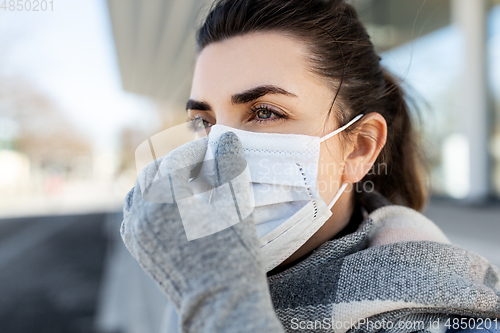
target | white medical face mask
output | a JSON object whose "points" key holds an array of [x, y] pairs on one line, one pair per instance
{"points": [[284, 173]]}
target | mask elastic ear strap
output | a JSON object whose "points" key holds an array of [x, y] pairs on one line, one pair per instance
{"points": [[328, 136], [337, 196]]}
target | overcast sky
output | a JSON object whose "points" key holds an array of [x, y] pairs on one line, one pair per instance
{"points": [[69, 54]]}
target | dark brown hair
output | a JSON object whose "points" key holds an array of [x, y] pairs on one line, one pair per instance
{"points": [[342, 54]]}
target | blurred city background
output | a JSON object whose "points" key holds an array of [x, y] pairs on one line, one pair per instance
{"points": [[84, 82]]}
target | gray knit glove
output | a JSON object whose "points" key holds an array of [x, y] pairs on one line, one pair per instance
{"points": [[217, 282]]}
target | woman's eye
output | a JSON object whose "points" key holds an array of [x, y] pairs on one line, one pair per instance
{"points": [[200, 124], [264, 114]]}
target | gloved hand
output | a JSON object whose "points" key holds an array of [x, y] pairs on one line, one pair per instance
{"points": [[217, 282]]}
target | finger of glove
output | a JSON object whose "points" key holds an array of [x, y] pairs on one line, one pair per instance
{"points": [[228, 199], [233, 168], [188, 155], [167, 178], [229, 158]]}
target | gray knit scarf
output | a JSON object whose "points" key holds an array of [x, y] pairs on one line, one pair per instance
{"points": [[397, 273]]}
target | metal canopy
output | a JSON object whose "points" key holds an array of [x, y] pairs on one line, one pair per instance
{"points": [[155, 45], [155, 41]]}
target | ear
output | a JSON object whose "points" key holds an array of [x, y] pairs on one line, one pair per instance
{"points": [[366, 142]]}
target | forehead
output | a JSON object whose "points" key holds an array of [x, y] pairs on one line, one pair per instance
{"points": [[242, 62]]}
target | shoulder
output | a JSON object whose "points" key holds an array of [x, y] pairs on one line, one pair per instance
{"points": [[394, 224], [390, 223]]}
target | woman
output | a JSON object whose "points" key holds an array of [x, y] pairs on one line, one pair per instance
{"points": [[298, 83]]}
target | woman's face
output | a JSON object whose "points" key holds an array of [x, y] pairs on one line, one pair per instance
{"points": [[262, 82]]}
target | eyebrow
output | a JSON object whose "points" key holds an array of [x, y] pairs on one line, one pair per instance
{"points": [[257, 92], [242, 98], [197, 105]]}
